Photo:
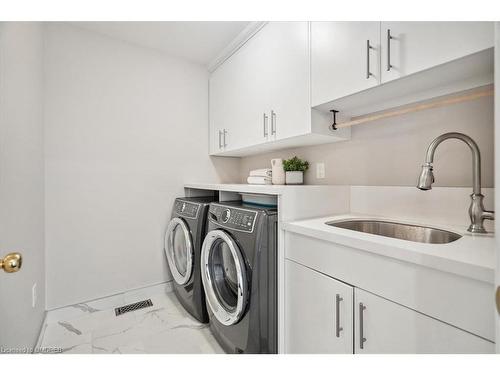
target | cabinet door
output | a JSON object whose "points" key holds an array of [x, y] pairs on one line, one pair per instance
{"points": [[215, 112], [416, 46], [214, 140], [237, 96], [224, 104], [342, 63], [287, 76], [251, 126], [318, 312], [387, 327]]}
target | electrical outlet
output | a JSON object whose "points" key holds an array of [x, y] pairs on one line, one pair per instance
{"points": [[320, 170], [33, 296]]}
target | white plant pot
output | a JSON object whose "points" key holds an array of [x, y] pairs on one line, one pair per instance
{"points": [[295, 178]]}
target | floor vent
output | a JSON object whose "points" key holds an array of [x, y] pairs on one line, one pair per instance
{"points": [[133, 306]]}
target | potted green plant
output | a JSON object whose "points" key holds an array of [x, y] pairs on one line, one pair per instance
{"points": [[294, 170]]}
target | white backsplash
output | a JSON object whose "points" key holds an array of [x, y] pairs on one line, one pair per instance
{"points": [[440, 206]]}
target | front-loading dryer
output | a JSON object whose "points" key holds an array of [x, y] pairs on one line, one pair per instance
{"points": [[239, 273], [183, 240]]}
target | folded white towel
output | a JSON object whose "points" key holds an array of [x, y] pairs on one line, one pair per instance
{"points": [[264, 172], [256, 180]]}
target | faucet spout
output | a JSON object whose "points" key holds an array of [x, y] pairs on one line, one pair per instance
{"points": [[477, 212], [476, 156]]}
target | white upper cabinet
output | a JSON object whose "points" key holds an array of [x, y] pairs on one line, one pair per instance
{"points": [[287, 78], [345, 58], [236, 99], [352, 60], [259, 98], [220, 116], [261, 93], [410, 47]]}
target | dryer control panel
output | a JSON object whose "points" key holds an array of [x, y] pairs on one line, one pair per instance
{"points": [[186, 209], [233, 218]]}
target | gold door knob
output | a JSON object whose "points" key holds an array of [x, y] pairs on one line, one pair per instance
{"points": [[11, 262]]}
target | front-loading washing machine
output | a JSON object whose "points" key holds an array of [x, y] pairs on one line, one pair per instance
{"points": [[239, 273], [183, 240]]}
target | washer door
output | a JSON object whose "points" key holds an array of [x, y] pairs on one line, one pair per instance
{"points": [[224, 277], [179, 250]]}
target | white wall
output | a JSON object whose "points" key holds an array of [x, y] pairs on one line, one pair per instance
{"points": [[126, 127], [497, 174], [21, 181]]}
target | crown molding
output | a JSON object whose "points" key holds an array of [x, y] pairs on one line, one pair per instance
{"points": [[247, 33]]}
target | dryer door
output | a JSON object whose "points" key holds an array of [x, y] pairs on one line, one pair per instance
{"points": [[179, 250], [224, 277]]}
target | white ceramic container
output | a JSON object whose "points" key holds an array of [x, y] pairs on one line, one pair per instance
{"points": [[278, 177]]}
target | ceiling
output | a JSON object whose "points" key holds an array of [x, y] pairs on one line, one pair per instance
{"points": [[199, 42]]}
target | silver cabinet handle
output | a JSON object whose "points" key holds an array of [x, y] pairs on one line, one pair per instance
{"points": [[389, 37], [338, 328], [220, 140], [225, 133], [273, 122], [368, 48], [362, 339], [266, 133]]}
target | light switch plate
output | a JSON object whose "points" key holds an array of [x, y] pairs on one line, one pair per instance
{"points": [[320, 170]]}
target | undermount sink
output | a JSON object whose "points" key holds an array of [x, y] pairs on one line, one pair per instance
{"points": [[406, 232]]}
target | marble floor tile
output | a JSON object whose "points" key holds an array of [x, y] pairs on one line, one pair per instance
{"points": [[112, 343], [85, 308], [132, 348], [106, 323], [64, 342], [63, 333], [180, 341], [93, 327], [68, 312], [78, 349]]}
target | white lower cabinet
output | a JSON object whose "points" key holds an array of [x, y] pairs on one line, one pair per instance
{"points": [[325, 315], [318, 312], [382, 326]]}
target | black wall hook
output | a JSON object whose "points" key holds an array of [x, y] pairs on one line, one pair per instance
{"points": [[334, 125]]}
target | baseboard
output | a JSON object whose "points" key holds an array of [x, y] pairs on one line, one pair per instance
{"points": [[169, 288]]}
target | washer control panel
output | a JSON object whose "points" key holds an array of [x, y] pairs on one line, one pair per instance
{"points": [[186, 209], [234, 218]]}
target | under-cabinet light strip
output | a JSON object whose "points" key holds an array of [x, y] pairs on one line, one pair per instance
{"points": [[418, 107]]}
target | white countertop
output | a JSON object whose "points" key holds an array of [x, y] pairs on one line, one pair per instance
{"points": [[471, 256], [247, 188]]}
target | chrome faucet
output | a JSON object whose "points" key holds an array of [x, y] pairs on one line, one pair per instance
{"points": [[477, 213]]}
